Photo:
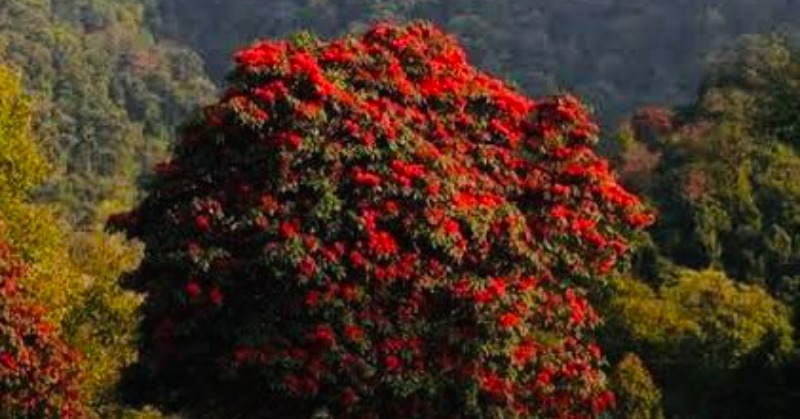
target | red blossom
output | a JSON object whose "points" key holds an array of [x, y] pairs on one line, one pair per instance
{"points": [[338, 52], [382, 243], [289, 229], [203, 223], [451, 227], [524, 353], [193, 289], [409, 170], [509, 320], [559, 212], [312, 298], [8, 361], [392, 363], [354, 333], [358, 259], [325, 335], [215, 296], [497, 286], [494, 385], [544, 377], [366, 178], [290, 140], [349, 397], [263, 54], [307, 266]]}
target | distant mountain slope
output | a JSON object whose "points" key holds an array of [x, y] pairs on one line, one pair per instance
{"points": [[618, 53], [108, 93]]}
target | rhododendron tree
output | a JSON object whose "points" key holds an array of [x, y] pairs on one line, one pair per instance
{"points": [[38, 373], [371, 227]]}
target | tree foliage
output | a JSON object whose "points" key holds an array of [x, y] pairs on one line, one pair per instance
{"points": [[71, 275], [701, 334], [39, 374], [727, 173], [723, 171], [702, 318], [618, 53], [370, 226], [107, 94], [33, 230], [638, 397]]}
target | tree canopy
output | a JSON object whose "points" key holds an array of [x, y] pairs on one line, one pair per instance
{"points": [[371, 226], [108, 96], [619, 54]]}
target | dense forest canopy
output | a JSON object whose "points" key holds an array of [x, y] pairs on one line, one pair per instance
{"points": [[723, 172], [618, 54], [108, 94], [700, 104]]}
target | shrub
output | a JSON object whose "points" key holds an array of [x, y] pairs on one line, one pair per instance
{"points": [[38, 372], [373, 228]]}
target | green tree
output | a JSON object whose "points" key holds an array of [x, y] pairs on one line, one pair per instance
{"points": [[33, 230], [72, 274], [637, 395], [698, 332], [107, 93]]}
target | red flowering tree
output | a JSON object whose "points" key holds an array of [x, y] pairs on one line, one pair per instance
{"points": [[38, 373], [373, 228]]}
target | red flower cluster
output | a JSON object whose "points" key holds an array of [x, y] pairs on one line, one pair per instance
{"points": [[262, 55], [394, 238], [38, 373]]}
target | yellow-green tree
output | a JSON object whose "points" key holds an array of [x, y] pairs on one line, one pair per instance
{"points": [[72, 273], [638, 397], [697, 333], [33, 230]]}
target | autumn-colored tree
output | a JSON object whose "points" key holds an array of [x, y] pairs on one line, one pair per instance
{"points": [[373, 228], [39, 376]]}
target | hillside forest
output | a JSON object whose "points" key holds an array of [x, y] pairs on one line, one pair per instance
{"points": [[409, 208]]}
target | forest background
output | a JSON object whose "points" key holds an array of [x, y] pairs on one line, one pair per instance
{"points": [[699, 101]]}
